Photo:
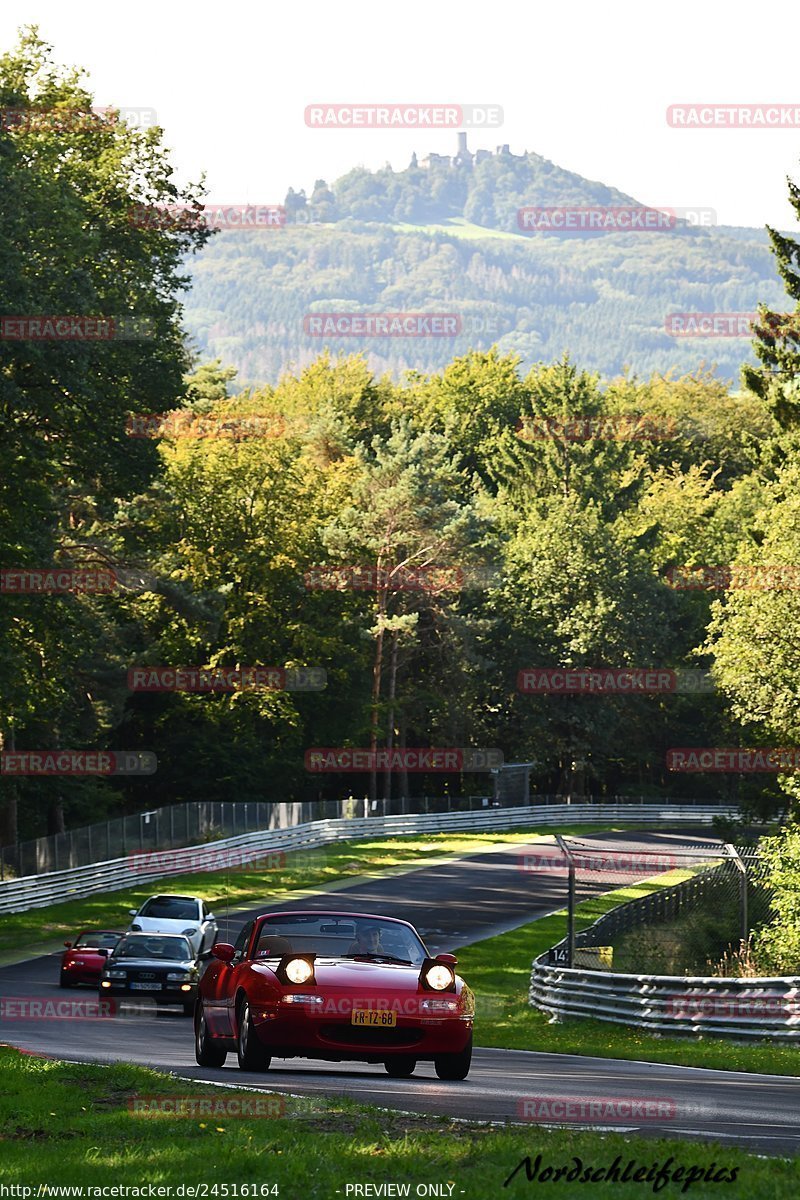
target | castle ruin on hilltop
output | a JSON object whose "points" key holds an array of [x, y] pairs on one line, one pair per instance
{"points": [[464, 156]]}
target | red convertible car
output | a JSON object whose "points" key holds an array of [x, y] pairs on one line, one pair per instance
{"points": [[82, 961], [335, 986]]}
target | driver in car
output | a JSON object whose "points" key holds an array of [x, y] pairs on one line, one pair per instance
{"points": [[368, 941]]}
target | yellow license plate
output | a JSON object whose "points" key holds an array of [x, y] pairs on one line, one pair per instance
{"points": [[373, 1016]]}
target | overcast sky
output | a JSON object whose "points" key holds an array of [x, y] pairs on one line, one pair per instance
{"points": [[584, 84]]}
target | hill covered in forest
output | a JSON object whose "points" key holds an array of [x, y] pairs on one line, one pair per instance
{"points": [[444, 236]]}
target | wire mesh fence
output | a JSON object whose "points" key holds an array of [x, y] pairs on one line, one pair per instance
{"points": [[699, 921]]}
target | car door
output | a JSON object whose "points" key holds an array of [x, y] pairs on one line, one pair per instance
{"points": [[219, 996]]}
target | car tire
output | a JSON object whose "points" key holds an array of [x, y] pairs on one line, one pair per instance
{"points": [[251, 1054], [205, 1052], [400, 1067], [65, 981], [454, 1066]]}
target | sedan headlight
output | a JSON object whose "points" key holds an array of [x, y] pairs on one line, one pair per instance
{"points": [[136, 929], [298, 970], [439, 978], [188, 932], [116, 974], [179, 976]]}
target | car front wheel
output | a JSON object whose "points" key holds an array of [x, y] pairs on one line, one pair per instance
{"points": [[400, 1067], [454, 1066], [205, 1052], [251, 1054]]}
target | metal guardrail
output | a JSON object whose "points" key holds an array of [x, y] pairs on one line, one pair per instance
{"points": [[38, 891], [757, 1007], [742, 1007], [196, 821]]}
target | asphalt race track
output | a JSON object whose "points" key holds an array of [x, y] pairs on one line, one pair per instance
{"points": [[451, 904]]}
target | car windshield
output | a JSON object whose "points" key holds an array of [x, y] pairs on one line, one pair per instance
{"points": [[95, 941], [339, 936], [170, 908], [171, 949]]}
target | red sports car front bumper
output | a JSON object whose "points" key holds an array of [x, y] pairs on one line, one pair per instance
{"points": [[290, 1031]]}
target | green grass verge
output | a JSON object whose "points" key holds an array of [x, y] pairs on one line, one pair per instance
{"points": [[72, 1124], [499, 971], [461, 228], [38, 928]]}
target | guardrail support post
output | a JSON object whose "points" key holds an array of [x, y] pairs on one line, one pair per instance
{"points": [[570, 899]]}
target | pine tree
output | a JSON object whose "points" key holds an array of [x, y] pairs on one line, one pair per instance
{"points": [[777, 335]]}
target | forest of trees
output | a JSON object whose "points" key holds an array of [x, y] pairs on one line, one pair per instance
{"points": [[446, 238], [569, 543]]}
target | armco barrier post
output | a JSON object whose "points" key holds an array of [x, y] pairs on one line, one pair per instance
{"points": [[571, 899]]}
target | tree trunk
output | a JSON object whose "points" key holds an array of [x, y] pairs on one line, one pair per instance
{"points": [[403, 780], [8, 811], [377, 671], [387, 783]]}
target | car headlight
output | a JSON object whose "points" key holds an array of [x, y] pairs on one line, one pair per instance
{"points": [[180, 976], [116, 975], [188, 932], [298, 970], [136, 929], [439, 978]]}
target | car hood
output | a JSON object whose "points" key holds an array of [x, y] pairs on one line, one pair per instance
{"points": [[345, 973], [166, 925], [151, 964]]}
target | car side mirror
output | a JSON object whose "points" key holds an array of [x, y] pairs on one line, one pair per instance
{"points": [[133, 911], [211, 917], [68, 944], [104, 951], [449, 960], [224, 951]]}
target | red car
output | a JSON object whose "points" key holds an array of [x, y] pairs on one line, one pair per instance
{"points": [[82, 961], [335, 986]]}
